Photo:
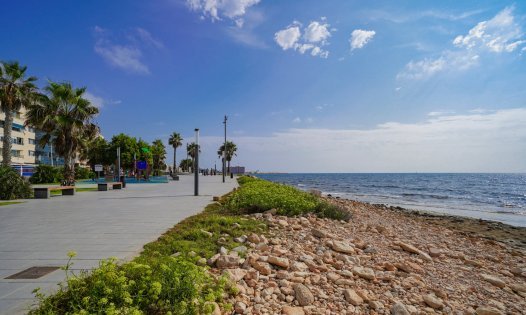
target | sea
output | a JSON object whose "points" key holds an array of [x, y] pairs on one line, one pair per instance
{"points": [[495, 197]]}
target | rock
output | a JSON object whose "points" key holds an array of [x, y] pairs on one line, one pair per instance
{"points": [[399, 309], [303, 294], [411, 249], [227, 261], [209, 234], [240, 239], [278, 261], [235, 274], [240, 307], [376, 305], [223, 251], [319, 233], [434, 252], [342, 247], [518, 287], [494, 280], [201, 262], [253, 238], [364, 272], [240, 249], [486, 310], [283, 223], [217, 309], [352, 297], [212, 260], [289, 310], [517, 271], [262, 267], [433, 301]]}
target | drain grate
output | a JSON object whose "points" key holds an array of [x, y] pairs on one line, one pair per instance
{"points": [[33, 273]]}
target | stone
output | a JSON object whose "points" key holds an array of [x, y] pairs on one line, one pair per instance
{"points": [[412, 249], [253, 238], [518, 287], [376, 305], [289, 310], [352, 297], [283, 223], [341, 247], [303, 294], [496, 281], [201, 262], [240, 239], [240, 307], [319, 233], [434, 252], [227, 261], [399, 309], [262, 267], [486, 310], [235, 274], [212, 260], [223, 251], [278, 261], [209, 234], [240, 249], [364, 272], [433, 301]]}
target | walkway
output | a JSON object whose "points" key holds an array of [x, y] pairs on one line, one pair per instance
{"points": [[96, 225]]}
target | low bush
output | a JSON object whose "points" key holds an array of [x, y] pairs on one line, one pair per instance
{"points": [[13, 185], [83, 173], [46, 174], [163, 285], [256, 195]]}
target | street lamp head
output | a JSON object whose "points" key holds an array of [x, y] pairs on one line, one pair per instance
{"points": [[196, 129]]}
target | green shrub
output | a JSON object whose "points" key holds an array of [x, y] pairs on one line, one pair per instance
{"points": [[46, 174], [256, 195], [83, 173], [12, 185], [159, 285]]}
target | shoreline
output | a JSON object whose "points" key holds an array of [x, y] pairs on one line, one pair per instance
{"points": [[492, 230]]}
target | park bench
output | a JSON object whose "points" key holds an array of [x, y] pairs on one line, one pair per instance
{"points": [[113, 185], [44, 192]]}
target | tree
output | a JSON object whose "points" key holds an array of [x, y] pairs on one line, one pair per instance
{"points": [[175, 141], [145, 152], [231, 150], [186, 164], [16, 91], [159, 157], [129, 150], [66, 118], [99, 152]]}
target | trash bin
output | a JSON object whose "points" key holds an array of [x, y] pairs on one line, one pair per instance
{"points": [[123, 181], [231, 175]]}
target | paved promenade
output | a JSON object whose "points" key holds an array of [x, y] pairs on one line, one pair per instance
{"points": [[96, 225]]}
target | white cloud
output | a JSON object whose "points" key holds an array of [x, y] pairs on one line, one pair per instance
{"points": [[314, 37], [497, 35], [296, 120], [493, 141], [359, 38], [94, 100], [127, 56], [287, 38], [218, 9], [317, 32]]}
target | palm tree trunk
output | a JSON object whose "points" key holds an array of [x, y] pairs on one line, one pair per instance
{"points": [[228, 167], [7, 143], [175, 164]]}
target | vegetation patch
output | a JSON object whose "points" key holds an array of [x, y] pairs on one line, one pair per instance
{"points": [[7, 203], [12, 185], [257, 195]]}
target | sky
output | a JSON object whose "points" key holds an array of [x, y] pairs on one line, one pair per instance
{"points": [[308, 86]]}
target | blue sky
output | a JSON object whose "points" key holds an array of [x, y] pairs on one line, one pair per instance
{"points": [[309, 86]]}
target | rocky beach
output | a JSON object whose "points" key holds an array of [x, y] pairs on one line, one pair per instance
{"points": [[384, 260]]}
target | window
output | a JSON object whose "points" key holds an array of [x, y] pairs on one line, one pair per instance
{"points": [[31, 153], [31, 141]]}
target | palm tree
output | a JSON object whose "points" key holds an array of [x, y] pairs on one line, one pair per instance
{"points": [[175, 141], [16, 91], [231, 150], [66, 118], [191, 150]]}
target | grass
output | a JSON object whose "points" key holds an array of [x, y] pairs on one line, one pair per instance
{"points": [[6, 203], [58, 192], [257, 195]]}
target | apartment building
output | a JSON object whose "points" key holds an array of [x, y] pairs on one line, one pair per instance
{"points": [[23, 149]]}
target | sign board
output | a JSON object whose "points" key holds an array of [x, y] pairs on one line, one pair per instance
{"points": [[142, 165], [98, 168]]}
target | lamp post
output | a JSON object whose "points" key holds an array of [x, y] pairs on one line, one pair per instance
{"points": [[196, 163], [224, 151]]}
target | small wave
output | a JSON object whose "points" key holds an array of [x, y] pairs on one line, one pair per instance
{"points": [[301, 185], [510, 212], [425, 196]]}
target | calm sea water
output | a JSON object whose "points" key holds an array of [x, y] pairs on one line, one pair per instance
{"points": [[497, 197]]}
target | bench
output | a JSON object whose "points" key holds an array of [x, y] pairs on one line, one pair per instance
{"points": [[113, 185], [44, 192]]}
